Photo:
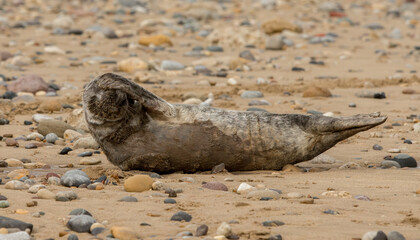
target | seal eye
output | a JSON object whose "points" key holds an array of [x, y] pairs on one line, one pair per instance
{"points": [[131, 101]]}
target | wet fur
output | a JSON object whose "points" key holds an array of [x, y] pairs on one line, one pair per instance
{"points": [[138, 130]]}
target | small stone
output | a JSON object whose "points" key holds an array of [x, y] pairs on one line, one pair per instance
{"points": [[51, 138], [315, 91], [131, 65], [405, 160], [251, 94], [247, 55], [70, 195], [416, 127], [369, 94], [70, 135], [352, 105], [272, 223], [28, 83], [18, 174], [215, 186], [201, 230], [156, 40], [377, 147], [258, 194], [86, 143], [53, 126], [65, 150], [214, 49], [97, 230], [16, 236], [4, 204], [158, 186], [245, 188], [34, 136], [218, 168], [89, 161], [276, 237], [80, 223], [394, 235], [332, 212], [307, 201], [278, 26], [408, 141], [96, 225], [79, 211], [294, 195], [128, 199], [16, 185], [6, 222], [124, 233], [85, 154], [31, 146], [21, 211], [224, 230], [389, 164], [362, 197], [32, 204], [3, 164], [168, 65], [10, 142], [72, 237], [394, 150], [261, 102], [274, 42], [169, 201], [45, 194], [35, 188], [75, 178], [181, 216], [11, 162], [138, 183], [54, 181]]}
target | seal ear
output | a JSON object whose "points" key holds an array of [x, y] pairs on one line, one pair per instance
{"points": [[154, 105]]}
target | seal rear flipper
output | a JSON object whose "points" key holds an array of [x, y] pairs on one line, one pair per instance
{"points": [[345, 125], [153, 104]]}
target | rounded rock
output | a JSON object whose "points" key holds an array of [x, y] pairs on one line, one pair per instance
{"points": [[124, 233], [138, 183], [181, 216], [51, 138], [128, 199], [405, 160], [45, 194], [80, 223], [215, 186], [75, 178]]}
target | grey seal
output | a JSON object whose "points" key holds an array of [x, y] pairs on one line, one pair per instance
{"points": [[139, 130]]}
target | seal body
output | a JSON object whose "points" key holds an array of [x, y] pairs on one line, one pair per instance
{"points": [[138, 130]]}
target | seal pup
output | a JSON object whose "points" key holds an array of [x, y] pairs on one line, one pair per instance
{"points": [[139, 130]]}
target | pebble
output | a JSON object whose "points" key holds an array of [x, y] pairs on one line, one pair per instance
{"points": [[86, 143], [294, 195], [16, 236], [274, 42], [53, 126], [389, 164], [246, 54], [6, 222], [416, 127], [352, 105], [215, 186], [169, 201], [408, 141], [105, 31], [51, 138], [4, 204], [272, 223], [124, 233], [35, 188], [394, 235], [79, 211], [31, 146], [258, 194], [224, 230], [394, 150], [214, 49], [32, 204], [377, 147], [276, 237], [128, 199], [405, 160], [138, 183], [261, 102], [201, 230], [181, 216], [374, 236], [54, 181], [244, 188], [251, 94], [131, 65], [315, 91], [65, 150], [158, 186], [18, 174], [16, 185], [332, 212], [362, 197], [10, 142], [3, 164], [169, 65], [80, 223], [62, 195], [156, 40], [40, 117], [85, 154], [11, 162], [70, 135], [72, 237], [370, 94], [34, 136], [28, 83], [45, 194], [74, 178]]}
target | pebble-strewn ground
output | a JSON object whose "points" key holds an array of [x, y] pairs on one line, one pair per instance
{"points": [[337, 58]]}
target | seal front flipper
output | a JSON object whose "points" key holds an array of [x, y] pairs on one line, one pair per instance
{"points": [[154, 105]]}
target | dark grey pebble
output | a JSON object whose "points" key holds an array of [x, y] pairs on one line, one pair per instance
{"points": [[181, 216], [145, 224], [254, 109], [80, 223], [4, 121], [65, 150], [272, 223], [408, 141], [26, 122], [3, 198], [247, 55], [169, 201], [128, 199], [184, 234], [31, 146], [266, 198], [276, 237], [80, 211], [221, 74], [214, 49], [67, 106], [85, 154], [332, 212], [9, 95], [405, 160], [62, 199], [97, 230], [72, 237], [394, 235], [314, 112], [380, 236], [6, 222], [201, 230], [298, 69], [352, 105], [75, 178], [218, 168], [170, 192], [155, 175], [377, 147], [101, 179]]}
